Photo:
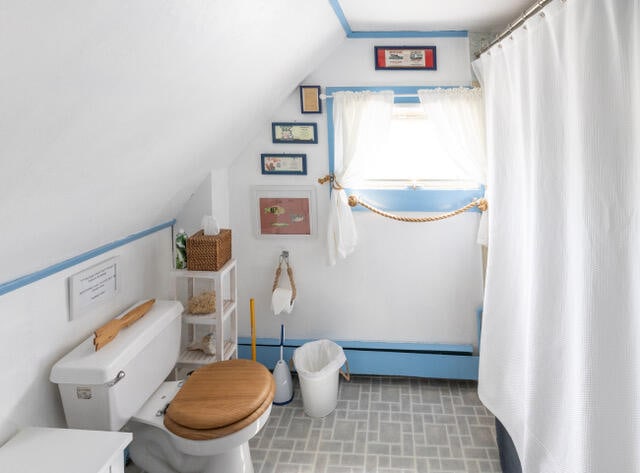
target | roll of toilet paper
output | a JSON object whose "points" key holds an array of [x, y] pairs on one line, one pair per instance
{"points": [[281, 301]]}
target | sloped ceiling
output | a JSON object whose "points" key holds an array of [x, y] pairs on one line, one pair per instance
{"points": [[112, 112], [486, 16]]}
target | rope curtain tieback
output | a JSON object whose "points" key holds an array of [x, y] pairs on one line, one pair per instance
{"points": [[482, 204], [330, 178], [276, 279]]}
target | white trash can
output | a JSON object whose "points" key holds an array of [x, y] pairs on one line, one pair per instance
{"points": [[318, 365]]}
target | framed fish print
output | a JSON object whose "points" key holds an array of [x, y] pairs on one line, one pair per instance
{"points": [[285, 211]]}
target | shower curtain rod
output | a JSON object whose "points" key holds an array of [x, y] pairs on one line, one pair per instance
{"points": [[532, 10]]}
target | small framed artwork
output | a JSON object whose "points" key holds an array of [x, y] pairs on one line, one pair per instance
{"points": [[294, 133], [406, 57], [310, 99], [285, 211], [279, 163]]}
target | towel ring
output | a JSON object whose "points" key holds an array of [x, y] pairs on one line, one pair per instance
{"points": [[284, 258]]}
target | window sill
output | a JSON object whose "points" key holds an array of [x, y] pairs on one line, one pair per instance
{"points": [[419, 199]]}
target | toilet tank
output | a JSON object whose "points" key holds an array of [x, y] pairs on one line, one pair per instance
{"points": [[102, 389]]}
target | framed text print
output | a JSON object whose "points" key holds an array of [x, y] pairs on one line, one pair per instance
{"points": [[279, 163], [406, 57], [294, 132]]}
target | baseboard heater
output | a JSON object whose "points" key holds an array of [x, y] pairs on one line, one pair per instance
{"points": [[381, 358]]}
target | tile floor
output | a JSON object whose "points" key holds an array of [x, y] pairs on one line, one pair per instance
{"points": [[382, 425]]}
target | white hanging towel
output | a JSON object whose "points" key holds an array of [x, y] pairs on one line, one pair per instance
{"points": [[281, 301]]}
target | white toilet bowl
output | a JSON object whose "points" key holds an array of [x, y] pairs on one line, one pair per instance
{"points": [[157, 450]]}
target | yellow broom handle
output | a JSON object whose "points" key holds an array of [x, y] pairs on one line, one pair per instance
{"points": [[252, 309]]}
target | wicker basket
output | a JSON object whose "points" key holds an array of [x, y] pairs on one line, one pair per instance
{"points": [[208, 252]]}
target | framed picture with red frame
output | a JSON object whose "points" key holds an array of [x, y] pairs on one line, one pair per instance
{"points": [[418, 58]]}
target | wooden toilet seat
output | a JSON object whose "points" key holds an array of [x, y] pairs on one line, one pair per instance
{"points": [[220, 399]]}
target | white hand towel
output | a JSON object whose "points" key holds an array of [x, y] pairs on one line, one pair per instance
{"points": [[281, 301]]}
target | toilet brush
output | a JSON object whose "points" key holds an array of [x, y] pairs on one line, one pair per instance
{"points": [[282, 376]]}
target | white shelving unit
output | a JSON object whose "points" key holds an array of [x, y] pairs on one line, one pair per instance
{"points": [[223, 322]]}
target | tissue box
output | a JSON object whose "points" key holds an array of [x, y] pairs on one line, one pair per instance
{"points": [[208, 252]]}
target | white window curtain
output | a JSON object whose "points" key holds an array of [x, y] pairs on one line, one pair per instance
{"points": [[458, 117], [560, 358], [360, 120]]}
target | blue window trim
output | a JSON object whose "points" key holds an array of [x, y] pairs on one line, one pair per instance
{"points": [[401, 200]]}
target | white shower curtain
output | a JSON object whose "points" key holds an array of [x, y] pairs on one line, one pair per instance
{"points": [[560, 359], [361, 122]]}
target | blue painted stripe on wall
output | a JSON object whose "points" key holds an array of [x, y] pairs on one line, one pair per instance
{"points": [[341, 18], [462, 349], [56, 268], [408, 34]]}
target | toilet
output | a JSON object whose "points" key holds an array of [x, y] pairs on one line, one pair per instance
{"points": [[199, 425]]}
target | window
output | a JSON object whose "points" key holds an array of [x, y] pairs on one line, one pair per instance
{"points": [[413, 155], [412, 172]]}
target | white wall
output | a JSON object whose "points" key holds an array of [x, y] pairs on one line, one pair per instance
{"points": [[200, 203], [405, 282], [352, 64], [210, 198], [35, 331]]}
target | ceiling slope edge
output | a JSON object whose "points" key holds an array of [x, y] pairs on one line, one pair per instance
{"points": [[337, 8]]}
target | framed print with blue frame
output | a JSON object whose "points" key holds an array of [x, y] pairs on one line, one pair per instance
{"points": [[284, 132], [280, 163]]}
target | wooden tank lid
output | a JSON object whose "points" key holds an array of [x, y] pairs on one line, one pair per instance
{"points": [[224, 394]]}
